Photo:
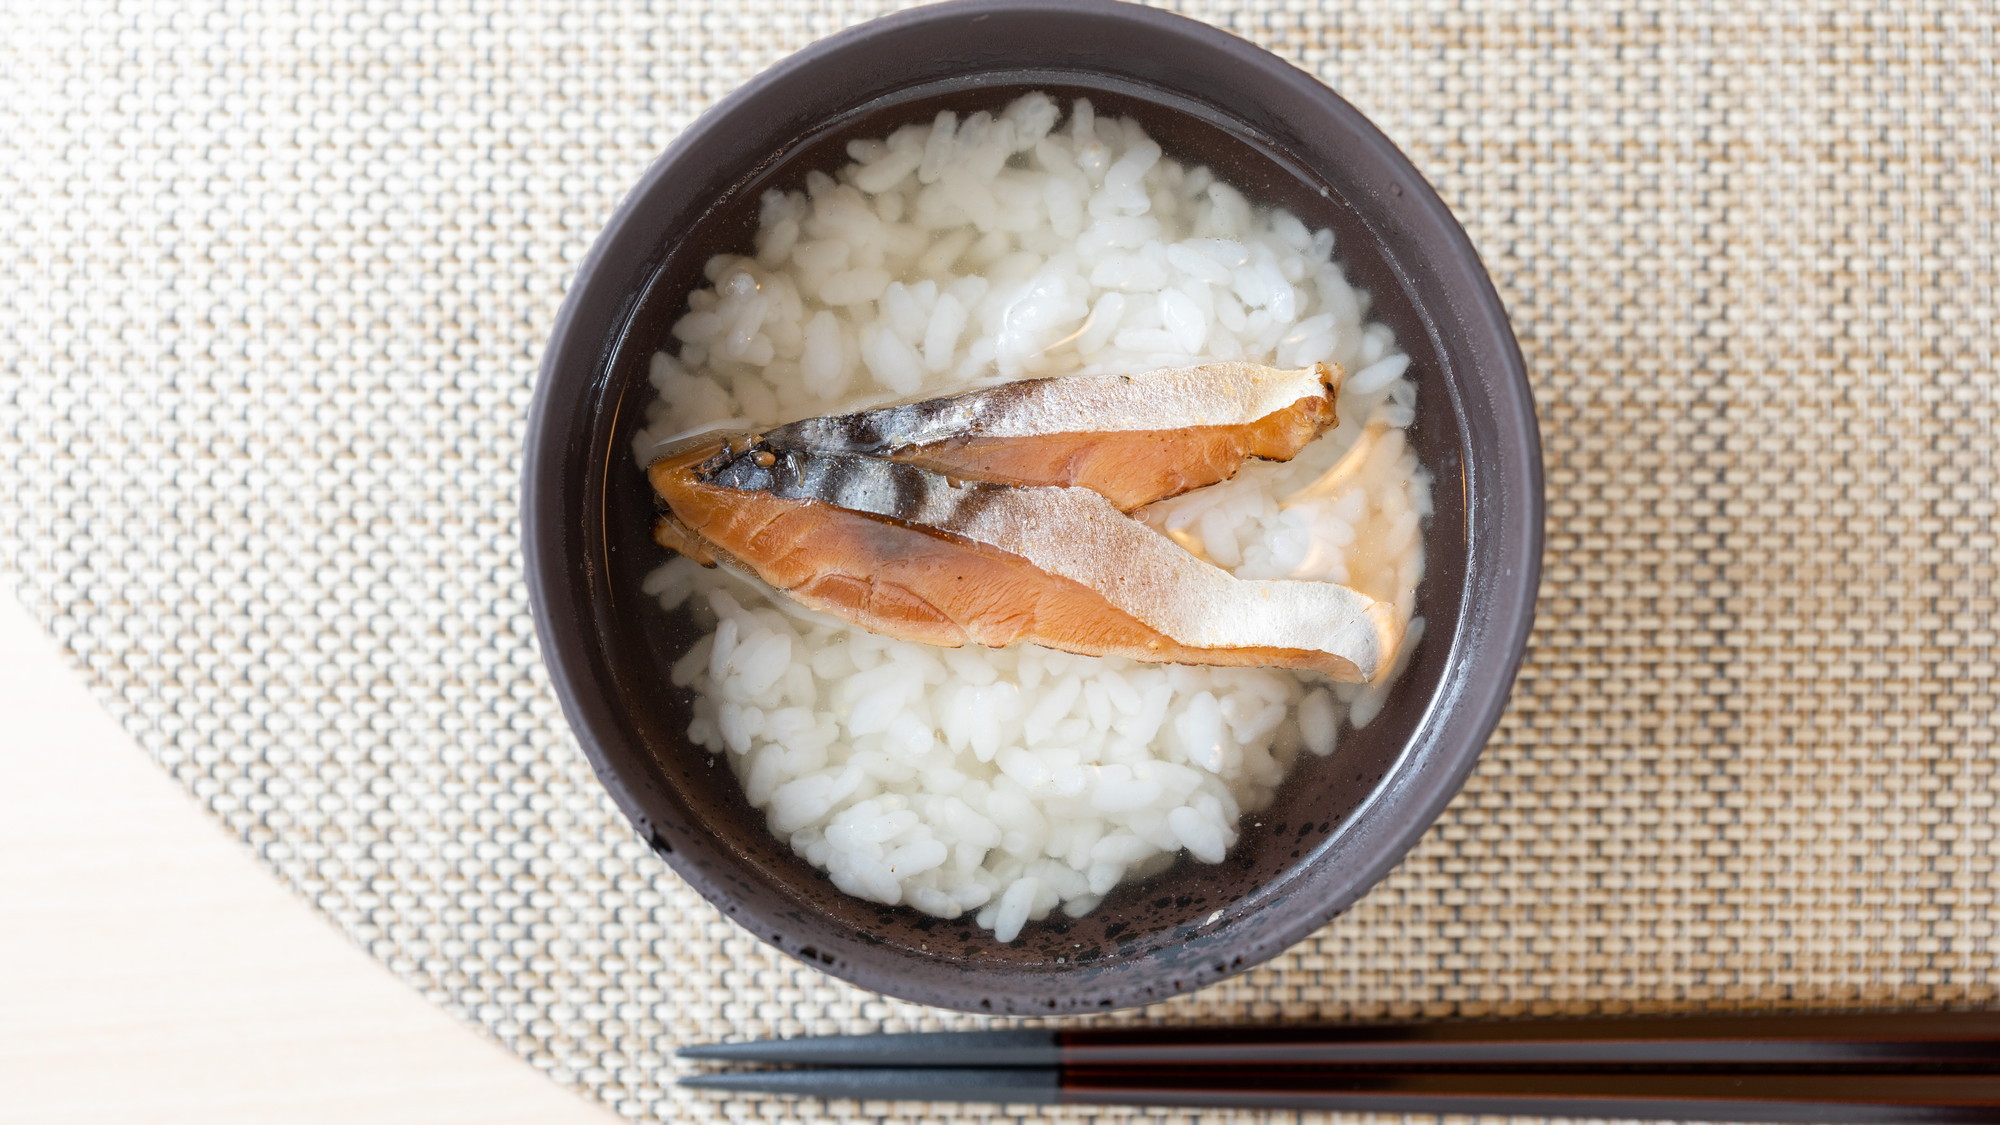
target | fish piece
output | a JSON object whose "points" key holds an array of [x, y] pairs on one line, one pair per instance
{"points": [[1132, 438], [675, 536], [902, 550]]}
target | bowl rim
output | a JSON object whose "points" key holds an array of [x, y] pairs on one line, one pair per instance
{"points": [[1464, 708]]}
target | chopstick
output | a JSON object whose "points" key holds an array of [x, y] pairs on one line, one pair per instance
{"points": [[1893, 1039], [1847, 1067], [1827, 1099]]}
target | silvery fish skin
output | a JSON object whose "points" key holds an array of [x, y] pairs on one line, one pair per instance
{"points": [[1134, 438], [906, 551]]}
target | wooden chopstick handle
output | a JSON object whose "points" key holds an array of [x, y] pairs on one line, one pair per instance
{"points": [[1889, 1040], [1825, 1099]]}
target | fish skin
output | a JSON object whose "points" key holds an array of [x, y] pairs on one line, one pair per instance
{"points": [[902, 550], [1150, 436]]}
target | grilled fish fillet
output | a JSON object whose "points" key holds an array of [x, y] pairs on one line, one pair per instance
{"points": [[1133, 439], [902, 550]]}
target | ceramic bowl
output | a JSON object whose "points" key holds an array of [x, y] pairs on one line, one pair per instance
{"points": [[1338, 824]]}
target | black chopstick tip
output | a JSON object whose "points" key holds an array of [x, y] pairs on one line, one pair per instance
{"points": [[1004, 1047], [724, 1052], [734, 1081], [1028, 1085]]}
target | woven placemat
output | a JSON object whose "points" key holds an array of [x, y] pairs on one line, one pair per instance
{"points": [[274, 280]]}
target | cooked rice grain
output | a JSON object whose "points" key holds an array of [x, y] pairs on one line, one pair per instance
{"points": [[1008, 783]]}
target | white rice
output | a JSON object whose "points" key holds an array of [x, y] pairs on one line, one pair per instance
{"points": [[1009, 783]]}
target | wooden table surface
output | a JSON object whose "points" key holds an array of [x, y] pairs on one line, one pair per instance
{"points": [[151, 971]]}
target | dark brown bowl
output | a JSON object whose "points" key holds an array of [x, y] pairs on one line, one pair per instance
{"points": [[1339, 823]]}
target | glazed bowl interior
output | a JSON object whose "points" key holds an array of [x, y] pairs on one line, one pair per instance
{"points": [[1337, 823]]}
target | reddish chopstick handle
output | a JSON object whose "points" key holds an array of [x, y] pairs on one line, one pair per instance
{"points": [[1900, 1039], [1825, 1099]]}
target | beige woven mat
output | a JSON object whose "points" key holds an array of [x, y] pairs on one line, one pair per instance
{"points": [[274, 279]]}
